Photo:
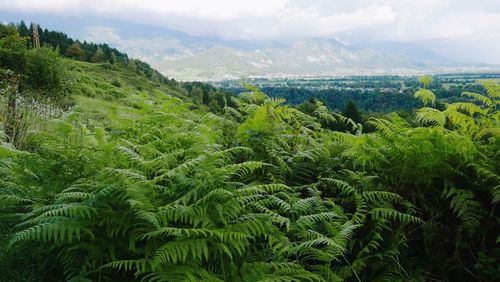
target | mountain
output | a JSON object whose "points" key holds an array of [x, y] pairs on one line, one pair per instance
{"points": [[308, 57], [188, 57]]}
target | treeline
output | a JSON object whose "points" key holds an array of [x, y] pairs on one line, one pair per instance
{"points": [[373, 101], [381, 100], [206, 94], [88, 51], [85, 51]]}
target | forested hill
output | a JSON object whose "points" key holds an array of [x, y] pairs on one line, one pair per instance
{"points": [[85, 51], [107, 174], [45, 75]]}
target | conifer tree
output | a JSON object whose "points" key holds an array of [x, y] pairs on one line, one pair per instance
{"points": [[351, 111], [23, 29], [114, 60], [131, 65], [99, 56]]}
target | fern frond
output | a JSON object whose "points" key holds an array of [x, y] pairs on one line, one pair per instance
{"points": [[307, 221], [426, 96], [181, 251], [430, 116], [382, 196], [57, 232], [470, 108], [70, 210], [465, 207], [394, 215], [480, 98], [139, 265]]}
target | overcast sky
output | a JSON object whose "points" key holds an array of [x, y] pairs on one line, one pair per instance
{"points": [[468, 30]]}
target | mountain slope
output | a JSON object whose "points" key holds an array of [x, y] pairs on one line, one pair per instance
{"points": [[309, 57]]}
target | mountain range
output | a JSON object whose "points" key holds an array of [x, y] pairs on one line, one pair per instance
{"points": [[185, 57]]}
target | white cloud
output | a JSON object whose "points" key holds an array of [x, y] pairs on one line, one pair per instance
{"points": [[199, 9], [459, 21], [102, 34]]}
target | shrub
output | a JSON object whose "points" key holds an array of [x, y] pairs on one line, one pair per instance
{"points": [[45, 72], [116, 82]]}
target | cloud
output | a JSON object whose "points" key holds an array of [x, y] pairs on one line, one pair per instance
{"points": [[102, 34], [233, 19], [431, 22], [200, 9]]}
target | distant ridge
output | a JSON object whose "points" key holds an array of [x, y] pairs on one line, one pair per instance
{"points": [[311, 57]]}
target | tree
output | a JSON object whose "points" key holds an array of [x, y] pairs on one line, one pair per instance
{"points": [[99, 56], [214, 107], [351, 111], [308, 106], [154, 77], [114, 60], [131, 65], [23, 29], [12, 48], [196, 95], [75, 51]]}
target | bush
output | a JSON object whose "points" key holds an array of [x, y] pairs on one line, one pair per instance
{"points": [[87, 91], [45, 73], [116, 82], [116, 94], [106, 66]]}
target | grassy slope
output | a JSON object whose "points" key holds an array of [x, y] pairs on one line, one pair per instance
{"points": [[104, 91]]}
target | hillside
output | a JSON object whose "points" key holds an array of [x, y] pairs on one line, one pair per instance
{"points": [[148, 179], [100, 88]]}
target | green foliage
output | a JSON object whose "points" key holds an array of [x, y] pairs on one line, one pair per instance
{"points": [[45, 72], [150, 185], [99, 56], [426, 80], [75, 51], [351, 111], [426, 96]]}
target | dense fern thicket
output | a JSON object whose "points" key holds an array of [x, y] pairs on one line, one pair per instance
{"points": [[143, 181]]}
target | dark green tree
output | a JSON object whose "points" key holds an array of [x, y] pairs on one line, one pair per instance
{"points": [[23, 29], [351, 111], [196, 95], [99, 56]]}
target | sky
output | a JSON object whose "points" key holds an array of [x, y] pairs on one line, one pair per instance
{"points": [[465, 30]]}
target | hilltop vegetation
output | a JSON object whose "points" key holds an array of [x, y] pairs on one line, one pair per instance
{"points": [[134, 178]]}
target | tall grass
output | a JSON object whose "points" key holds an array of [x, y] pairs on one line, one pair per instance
{"points": [[24, 115]]}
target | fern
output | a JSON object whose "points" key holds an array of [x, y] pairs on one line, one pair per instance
{"points": [[430, 116], [179, 251], [57, 232], [391, 214], [426, 96], [465, 207]]}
